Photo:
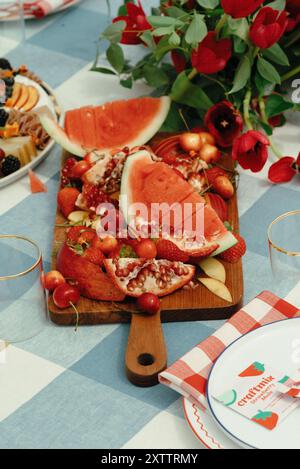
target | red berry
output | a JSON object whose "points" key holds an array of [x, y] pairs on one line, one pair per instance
{"points": [[209, 153], [190, 142], [149, 303], [212, 173], [74, 233], [94, 196], [108, 244], [234, 254], [66, 200], [65, 295], [146, 249], [52, 280], [207, 138]]}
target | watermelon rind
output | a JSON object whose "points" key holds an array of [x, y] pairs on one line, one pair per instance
{"points": [[227, 241]]}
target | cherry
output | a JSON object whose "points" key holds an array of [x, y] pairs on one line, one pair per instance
{"points": [[223, 186], [107, 244], [80, 169], [207, 138], [52, 280], [149, 303], [146, 249], [209, 153], [190, 142], [66, 295]]}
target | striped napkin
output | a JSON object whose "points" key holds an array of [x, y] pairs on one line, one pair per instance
{"points": [[189, 375], [41, 8]]}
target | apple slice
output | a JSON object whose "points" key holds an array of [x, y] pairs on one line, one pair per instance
{"points": [[213, 269], [11, 102], [33, 99], [79, 216], [23, 98], [217, 288]]}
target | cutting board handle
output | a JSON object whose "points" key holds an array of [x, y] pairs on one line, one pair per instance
{"points": [[146, 354]]}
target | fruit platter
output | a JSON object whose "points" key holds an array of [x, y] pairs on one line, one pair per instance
{"points": [[24, 143], [113, 153]]}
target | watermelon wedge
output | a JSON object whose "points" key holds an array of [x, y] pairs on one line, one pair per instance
{"points": [[111, 126], [145, 181]]}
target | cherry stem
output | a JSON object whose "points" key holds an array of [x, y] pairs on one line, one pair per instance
{"points": [[77, 315]]}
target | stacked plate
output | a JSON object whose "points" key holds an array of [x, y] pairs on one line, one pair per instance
{"points": [[219, 427]]}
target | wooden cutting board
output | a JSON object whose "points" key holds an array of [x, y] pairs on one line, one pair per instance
{"points": [[183, 305]]}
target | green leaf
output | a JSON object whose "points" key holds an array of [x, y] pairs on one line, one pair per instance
{"points": [[175, 12], [277, 5], [155, 76], [163, 47], [209, 4], [268, 71], [277, 55], [115, 56], [261, 84], [113, 32], [277, 105], [196, 31], [148, 39], [239, 28], [240, 46], [127, 82], [106, 71], [163, 21], [185, 92], [174, 39], [242, 75]]}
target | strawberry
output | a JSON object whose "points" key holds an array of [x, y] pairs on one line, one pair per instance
{"points": [[169, 251], [94, 255], [256, 369], [266, 419], [66, 200], [234, 254], [86, 237], [212, 173]]}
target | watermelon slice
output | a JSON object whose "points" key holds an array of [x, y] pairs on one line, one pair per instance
{"points": [[145, 182], [114, 125]]}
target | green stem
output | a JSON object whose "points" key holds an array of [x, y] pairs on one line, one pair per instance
{"points": [[193, 74], [247, 117], [294, 37], [221, 23], [290, 74], [262, 108]]}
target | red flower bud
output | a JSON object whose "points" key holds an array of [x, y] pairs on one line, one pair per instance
{"points": [[251, 150], [240, 8], [283, 170], [212, 54], [293, 7], [268, 27], [136, 23], [224, 122]]}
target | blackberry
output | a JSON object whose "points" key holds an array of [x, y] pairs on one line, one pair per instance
{"points": [[9, 81], [10, 165], [3, 117], [4, 64], [9, 91]]}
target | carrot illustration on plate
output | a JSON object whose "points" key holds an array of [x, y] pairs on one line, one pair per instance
{"points": [[256, 369], [268, 420]]}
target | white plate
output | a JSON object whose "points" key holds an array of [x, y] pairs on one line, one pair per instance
{"points": [[11, 16], [46, 92], [205, 428], [273, 345]]}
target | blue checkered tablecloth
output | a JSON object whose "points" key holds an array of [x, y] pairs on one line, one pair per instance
{"points": [[67, 390]]}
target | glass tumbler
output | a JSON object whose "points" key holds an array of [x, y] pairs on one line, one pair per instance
{"points": [[284, 247], [23, 308]]}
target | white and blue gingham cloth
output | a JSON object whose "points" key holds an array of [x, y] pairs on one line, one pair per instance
{"points": [[67, 390]]}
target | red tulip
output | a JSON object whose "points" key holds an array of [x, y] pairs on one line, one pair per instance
{"points": [[136, 23], [251, 150], [268, 27], [224, 122], [284, 170], [240, 8], [212, 54], [178, 60]]}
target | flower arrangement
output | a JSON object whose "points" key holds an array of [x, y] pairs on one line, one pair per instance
{"points": [[224, 62]]}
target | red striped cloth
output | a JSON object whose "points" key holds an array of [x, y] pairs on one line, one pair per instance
{"points": [[188, 376], [41, 8]]}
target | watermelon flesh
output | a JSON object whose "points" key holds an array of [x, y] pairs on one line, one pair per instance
{"points": [[111, 126], [147, 182]]}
